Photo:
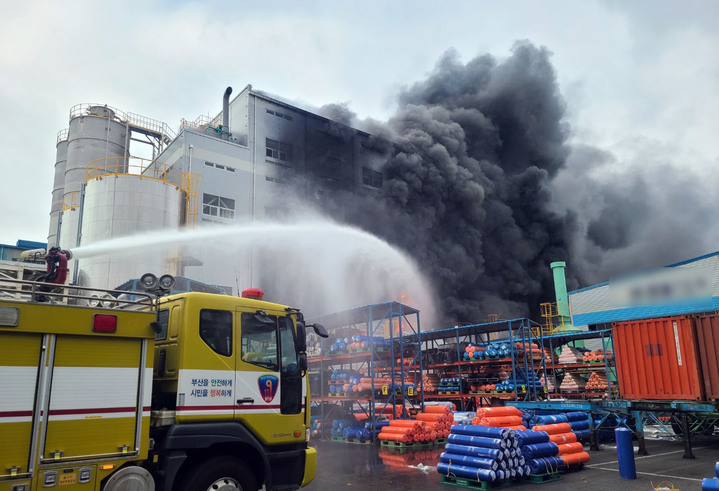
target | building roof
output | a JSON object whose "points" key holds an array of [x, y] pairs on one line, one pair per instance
{"points": [[681, 263]]}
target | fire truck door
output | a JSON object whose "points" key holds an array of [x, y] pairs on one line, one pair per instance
{"points": [[266, 383], [93, 404], [19, 361]]}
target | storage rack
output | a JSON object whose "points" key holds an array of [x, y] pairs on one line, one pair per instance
{"points": [[403, 325], [551, 370], [508, 331]]}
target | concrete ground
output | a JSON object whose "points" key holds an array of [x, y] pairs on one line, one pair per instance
{"points": [[371, 467]]}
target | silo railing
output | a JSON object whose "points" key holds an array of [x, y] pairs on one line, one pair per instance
{"points": [[144, 168], [70, 201]]}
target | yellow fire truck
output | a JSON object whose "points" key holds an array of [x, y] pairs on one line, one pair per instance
{"points": [[184, 392]]}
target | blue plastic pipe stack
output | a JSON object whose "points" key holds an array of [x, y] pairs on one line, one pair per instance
{"points": [[711, 483], [482, 453], [539, 453], [578, 421]]}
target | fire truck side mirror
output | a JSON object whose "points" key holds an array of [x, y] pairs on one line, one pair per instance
{"points": [[302, 362], [301, 339], [320, 330]]}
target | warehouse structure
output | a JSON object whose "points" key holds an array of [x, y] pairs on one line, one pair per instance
{"points": [[237, 167], [686, 287]]}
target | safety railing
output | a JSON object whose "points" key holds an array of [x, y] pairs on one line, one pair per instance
{"points": [[71, 201], [202, 121], [137, 120], [145, 168], [52, 293], [191, 185], [61, 135]]}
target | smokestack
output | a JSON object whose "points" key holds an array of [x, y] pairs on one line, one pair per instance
{"points": [[560, 290], [226, 109]]}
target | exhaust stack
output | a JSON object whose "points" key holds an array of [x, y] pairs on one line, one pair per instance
{"points": [[560, 291], [226, 109]]}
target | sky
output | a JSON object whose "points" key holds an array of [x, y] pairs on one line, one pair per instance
{"points": [[639, 80]]}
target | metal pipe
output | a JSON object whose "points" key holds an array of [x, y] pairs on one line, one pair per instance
{"points": [[226, 109]]}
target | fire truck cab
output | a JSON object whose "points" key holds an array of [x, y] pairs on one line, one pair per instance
{"points": [[188, 392]]}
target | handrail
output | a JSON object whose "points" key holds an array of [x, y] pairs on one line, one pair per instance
{"points": [[61, 135], [70, 201], [137, 120], [33, 293], [145, 168], [202, 121]]}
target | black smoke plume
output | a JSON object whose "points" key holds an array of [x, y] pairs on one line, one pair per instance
{"points": [[466, 188], [482, 188]]}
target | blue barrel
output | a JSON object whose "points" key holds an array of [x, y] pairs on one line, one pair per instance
{"points": [[538, 450], [710, 484], [477, 441], [625, 453], [473, 473], [453, 458], [488, 453]]}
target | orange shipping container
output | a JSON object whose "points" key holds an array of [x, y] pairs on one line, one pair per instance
{"points": [[707, 328], [657, 359]]}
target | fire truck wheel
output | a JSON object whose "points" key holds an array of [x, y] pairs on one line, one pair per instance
{"points": [[221, 474]]}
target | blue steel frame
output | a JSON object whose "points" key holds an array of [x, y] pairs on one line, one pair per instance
{"points": [[516, 329], [373, 318], [554, 341]]}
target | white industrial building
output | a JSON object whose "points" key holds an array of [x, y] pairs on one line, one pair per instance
{"points": [[227, 169]]}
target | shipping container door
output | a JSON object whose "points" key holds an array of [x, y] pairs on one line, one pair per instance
{"points": [[708, 341], [19, 361], [657, 359], [94, 397]]}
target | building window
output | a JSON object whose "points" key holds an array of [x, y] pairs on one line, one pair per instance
{"points": [[278, 150], [371, 178], [219, 166], [217, 206]]}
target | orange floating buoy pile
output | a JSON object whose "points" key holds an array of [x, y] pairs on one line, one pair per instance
{"points": [[430, 382], [401, 430], [499, 417], [598, 355], [597, 381], [436, 422], [483, 388]]}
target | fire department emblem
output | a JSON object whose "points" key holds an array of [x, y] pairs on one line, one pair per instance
{"points": [[268, 387]]}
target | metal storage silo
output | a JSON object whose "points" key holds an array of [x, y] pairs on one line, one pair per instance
{"points": [[148, 198], [58, 188], [96, 131]]}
